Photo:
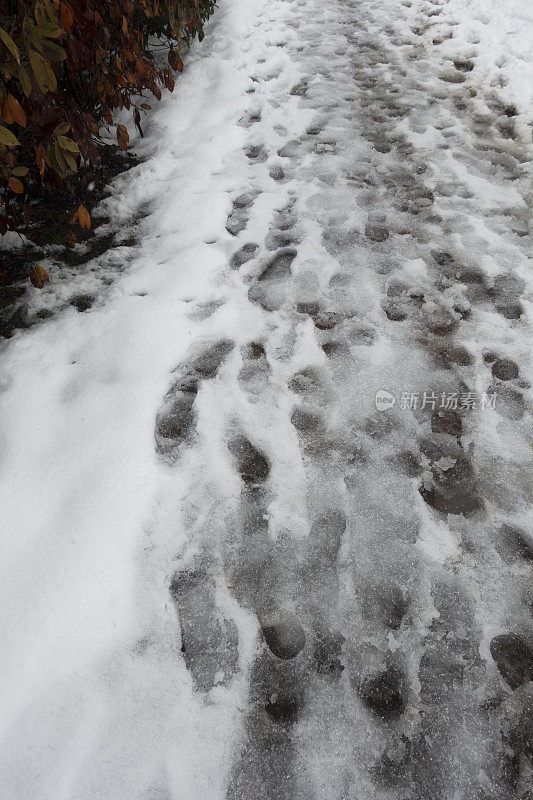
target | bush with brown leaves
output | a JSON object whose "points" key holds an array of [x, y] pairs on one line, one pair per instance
{"points": [[65, 67]]}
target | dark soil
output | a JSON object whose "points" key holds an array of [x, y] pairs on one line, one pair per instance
{"points": [[49, 228]]}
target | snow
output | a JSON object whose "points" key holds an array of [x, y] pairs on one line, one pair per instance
{"points": [[97, 698], [80, 477], [499, 36]]}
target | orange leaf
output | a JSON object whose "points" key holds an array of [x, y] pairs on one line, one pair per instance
{"points": [[175, 61], [16, 186], [38, 276], [6, 114], [71, 238], [83, 217], [67, 18], [123, 137], [16, 110], [169, 81]]}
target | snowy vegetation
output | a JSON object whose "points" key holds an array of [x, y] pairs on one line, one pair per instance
{"points": [[65, 67]]}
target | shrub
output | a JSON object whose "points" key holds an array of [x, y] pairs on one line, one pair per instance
{"points": [[65, 67]]}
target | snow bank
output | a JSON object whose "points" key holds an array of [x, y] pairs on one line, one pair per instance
{"points": [[78, 474], [498, 35]]}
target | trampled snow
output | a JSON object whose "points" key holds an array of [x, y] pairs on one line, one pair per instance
{"points": [[225, 572]]}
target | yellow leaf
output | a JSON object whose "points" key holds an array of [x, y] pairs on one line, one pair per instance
{"points": [[7, 138], [10, 44], [68, 144], [44, 74], [60, 160], [25, 81], [71, 161], [61, 129]]}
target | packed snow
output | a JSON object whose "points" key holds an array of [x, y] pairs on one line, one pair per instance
{"points": [[227, 572]]}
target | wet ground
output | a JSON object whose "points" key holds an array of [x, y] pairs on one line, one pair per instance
{"points": [[332, 594], [396, 657]]}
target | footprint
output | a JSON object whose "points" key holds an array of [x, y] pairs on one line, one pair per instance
{"points": [[238, 219], [407, 463], [514, 659], [316, 127], [255, 372], [325, 147], [83, 302], [209, 645], [286, 217], [376, 232], [327, 653], [256, 153], [465, 65], [285, 698], [452, 77], [246, 253], [246, 199], [449, 354], [514, 545], [206, 310], [452, 489], [276, 172], [325, 540], [307, 421], [281, 239], [394, 762], [379, 426], [252, 465], [440, 674], [249, 119], [270, 288], [326, 320], [504, 369], [395, 311], [448, 422], [384, 693], [290, 150], [285, 639], [176, 417], [306, 380], [386, 603], [206, 364], [439, 319], [300, 89], [509, 403], [339, 350], [279, 266]]}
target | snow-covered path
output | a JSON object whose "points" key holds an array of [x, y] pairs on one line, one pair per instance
{"points": [[228, 572]]}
